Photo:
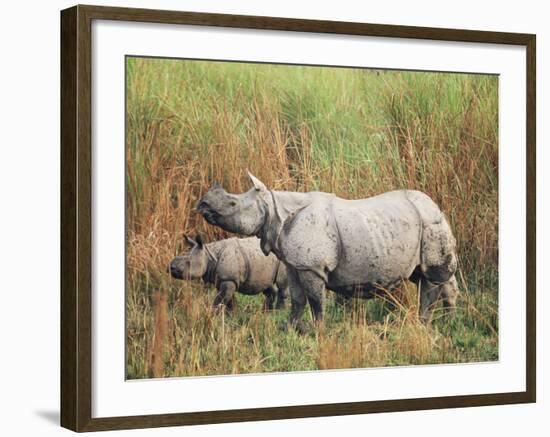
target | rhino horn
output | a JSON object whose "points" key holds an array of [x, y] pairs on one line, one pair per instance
{"points": [[258, 185]]}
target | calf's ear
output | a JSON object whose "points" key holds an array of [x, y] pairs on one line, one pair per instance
{"points": [[258, 184], [189, 241], [199, 240]]}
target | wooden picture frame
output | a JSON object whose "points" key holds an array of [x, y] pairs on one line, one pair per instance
{"points": [[76, 217]]}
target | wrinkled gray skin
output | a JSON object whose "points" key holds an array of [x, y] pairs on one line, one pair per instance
{"points": [[353, 247], [234, 265]]}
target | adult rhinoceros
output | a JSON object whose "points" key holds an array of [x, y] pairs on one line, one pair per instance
{"points": [[352, 247]]}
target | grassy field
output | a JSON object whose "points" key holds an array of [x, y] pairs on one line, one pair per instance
{"points": [[353, 132]]}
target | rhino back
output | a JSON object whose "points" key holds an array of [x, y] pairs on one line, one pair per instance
{"points": [[244, 262], [261, 268], [379, 240], [229, 265]]}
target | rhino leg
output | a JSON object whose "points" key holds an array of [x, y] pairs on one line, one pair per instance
{"points": [[226, 295], [231, 304], [282, 295], [269, 301], [297, 303], [449, 293], [314, 288], [429, 295]]}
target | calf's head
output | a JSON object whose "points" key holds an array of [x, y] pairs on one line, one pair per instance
{"points": [[238, 213], [193, 264]]}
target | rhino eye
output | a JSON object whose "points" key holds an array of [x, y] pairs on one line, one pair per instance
{"points": [[202, 205], [232, 202]]}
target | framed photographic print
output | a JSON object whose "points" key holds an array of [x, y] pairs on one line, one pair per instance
{"points": [[268, 218]]}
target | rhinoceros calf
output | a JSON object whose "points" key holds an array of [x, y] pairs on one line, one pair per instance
{"points": [[234, 265], [353, 247]]}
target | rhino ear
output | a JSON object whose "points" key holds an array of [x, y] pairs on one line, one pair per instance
{"points": [[258, 184], [198, 239], [190, 241]]}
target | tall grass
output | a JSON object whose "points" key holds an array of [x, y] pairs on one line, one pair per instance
{"points": [[354, 132]]}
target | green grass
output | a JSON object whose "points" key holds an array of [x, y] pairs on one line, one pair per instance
{"points": [[354, 132]]}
